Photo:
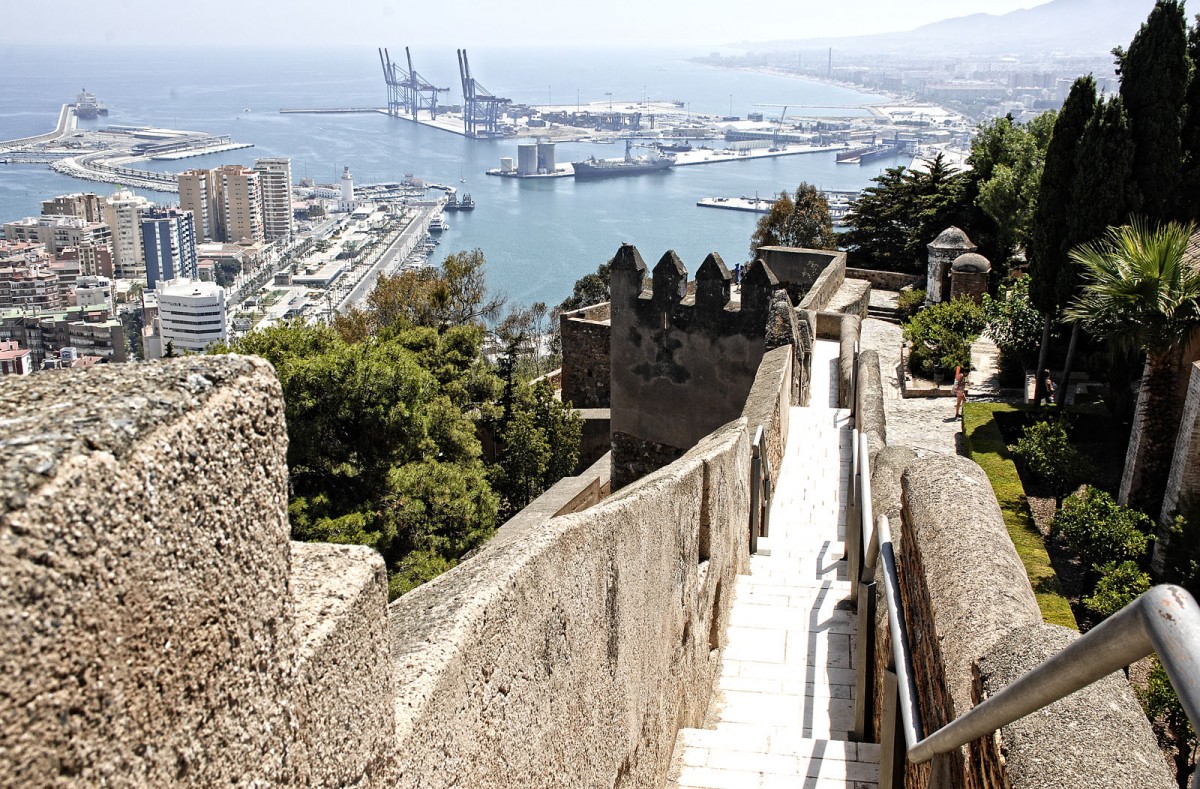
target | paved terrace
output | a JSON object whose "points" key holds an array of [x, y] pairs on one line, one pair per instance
{"points": [[785, 701]]}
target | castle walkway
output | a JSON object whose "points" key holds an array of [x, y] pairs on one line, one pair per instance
{"points": [[784, 704]]}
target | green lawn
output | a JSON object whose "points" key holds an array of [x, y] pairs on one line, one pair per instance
{"points": [[985, 445]]}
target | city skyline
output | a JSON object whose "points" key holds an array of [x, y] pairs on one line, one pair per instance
{"points": [[670, 24]]}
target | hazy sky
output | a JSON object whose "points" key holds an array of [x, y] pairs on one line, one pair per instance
{"points": [[470, 22]]}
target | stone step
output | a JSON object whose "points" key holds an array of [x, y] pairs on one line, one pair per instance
{"points": [[735, 756], [889, 314]]}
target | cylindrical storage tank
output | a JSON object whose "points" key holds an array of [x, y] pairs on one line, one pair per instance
{"points": [[527, 158], [506, 164], [545, 153]]}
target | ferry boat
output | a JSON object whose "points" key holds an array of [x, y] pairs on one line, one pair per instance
{"points": [[438, 225]]}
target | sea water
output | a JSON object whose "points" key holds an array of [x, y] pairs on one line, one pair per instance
{"points": [[538, 236]]}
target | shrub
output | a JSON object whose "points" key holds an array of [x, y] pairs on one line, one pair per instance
{"points": [[941, 335], [1049, 455], [1100, 530], [1016, 327], [909, 301], [1118, 586]]}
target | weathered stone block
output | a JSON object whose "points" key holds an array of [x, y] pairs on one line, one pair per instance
{"points": [[147, 621]]}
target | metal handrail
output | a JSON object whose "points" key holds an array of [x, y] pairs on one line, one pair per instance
{"points": [[906, 684], [1164, 619]]}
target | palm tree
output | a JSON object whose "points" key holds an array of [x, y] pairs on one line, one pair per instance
{"points": [[1141, 295]]}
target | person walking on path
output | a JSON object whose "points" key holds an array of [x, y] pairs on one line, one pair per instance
{"points": [[960, 391], [1048, 388]]}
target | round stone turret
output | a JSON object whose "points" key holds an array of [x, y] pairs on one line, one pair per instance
{"points": [[948, 246], [969, 276]]}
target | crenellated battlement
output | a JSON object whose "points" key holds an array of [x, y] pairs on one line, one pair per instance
{"points": [[685, 354]]}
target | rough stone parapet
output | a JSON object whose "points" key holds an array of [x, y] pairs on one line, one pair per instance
{"points": [[344, 681], [573, 653], [887, 469], [584, 335], [848, 334], [147, 620], [964, 588], [884, 280], [807, 274], [869, 414]]}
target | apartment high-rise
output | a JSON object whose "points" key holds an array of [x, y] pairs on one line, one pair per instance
{"points": [[198, 194], [227, 203], [57, 233], [242, 205], [169, 241], [122, 213], [275, 178]]}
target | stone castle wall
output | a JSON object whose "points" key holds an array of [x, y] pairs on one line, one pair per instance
{"points": [[162, 629], [974, 627], [585, 351]]}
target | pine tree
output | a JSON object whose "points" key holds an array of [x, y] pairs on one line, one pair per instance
{"points": [[1154, 81], [799, 221]]}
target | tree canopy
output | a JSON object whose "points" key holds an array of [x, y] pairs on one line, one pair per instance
{"points": [[385, 411], [892, 221], [1154, 82], [801, 220], [1048, 244], [1006, 166]]}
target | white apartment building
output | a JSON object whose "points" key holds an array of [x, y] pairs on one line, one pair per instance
{"points": [[122, 213], [95, 291], [191, 316], [275, 179]]}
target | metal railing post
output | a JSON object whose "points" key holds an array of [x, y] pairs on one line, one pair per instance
{"points": [[891, 737], [854, 386], [755, 491], [765, 515], [864, 681]]}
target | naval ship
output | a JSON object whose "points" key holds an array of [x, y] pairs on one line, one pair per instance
{"points": [[630, 165]]}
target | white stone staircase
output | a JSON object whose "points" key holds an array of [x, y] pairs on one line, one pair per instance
{"points": [[784, 704]]}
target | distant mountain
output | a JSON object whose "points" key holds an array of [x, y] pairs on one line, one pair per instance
{"points": [[1073, 26]]}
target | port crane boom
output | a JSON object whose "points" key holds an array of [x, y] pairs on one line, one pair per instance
{"points": [[481, 108]]}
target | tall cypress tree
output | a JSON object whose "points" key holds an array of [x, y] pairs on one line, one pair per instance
{"points": [[1102, 197], [1154, 80], [1189, 192], [1103, 192], [1048, 243], [1048, 248]]}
